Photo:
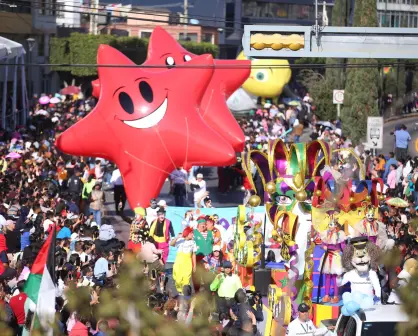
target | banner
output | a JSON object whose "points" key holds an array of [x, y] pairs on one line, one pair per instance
{"points": [[227, 218]]}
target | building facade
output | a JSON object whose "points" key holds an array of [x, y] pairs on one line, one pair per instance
{"points": [[397, 13]]}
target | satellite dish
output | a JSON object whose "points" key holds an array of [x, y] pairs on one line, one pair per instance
{"points": [[194, 21]]}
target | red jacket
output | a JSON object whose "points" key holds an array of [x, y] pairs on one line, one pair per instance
{"points": [[17, 303], [79, 329]]}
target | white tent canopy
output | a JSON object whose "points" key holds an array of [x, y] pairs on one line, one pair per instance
{"points": [[12, 53]]}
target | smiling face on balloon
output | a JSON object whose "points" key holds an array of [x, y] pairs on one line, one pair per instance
{"points": [[141, 106]]}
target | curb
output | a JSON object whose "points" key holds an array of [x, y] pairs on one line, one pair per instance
{"points": [[407, 116]]}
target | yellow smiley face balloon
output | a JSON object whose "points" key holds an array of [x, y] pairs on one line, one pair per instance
{"points": [[269, 81]]}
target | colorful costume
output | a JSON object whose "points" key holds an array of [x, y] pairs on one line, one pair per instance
{"points": [[334, 241], [360, 260], [161, 232], [183, 265]]}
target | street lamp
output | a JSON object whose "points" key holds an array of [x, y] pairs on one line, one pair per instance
{"points": [[31, 44]]}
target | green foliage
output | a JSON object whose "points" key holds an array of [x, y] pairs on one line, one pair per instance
{"points": [[361, 87], [59, 52], [82, 49], [320, 88]]}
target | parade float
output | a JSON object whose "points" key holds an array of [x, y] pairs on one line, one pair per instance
{"points": [[309, 216]]}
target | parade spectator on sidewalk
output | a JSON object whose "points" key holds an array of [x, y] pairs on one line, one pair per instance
{"points": [[402, 139], [119, 194]]}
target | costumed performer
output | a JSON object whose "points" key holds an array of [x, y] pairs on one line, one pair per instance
{"points": [[161, 230], [185, 262], [360, 261], [333, 242], [373, 229]]}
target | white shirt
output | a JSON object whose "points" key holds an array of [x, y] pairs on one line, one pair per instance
{"points": [[199, 192], [116, 178], [151, 215], [364, 285], [297, 327], [47, 223], [186, 246]]}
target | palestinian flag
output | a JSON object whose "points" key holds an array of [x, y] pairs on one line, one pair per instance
{"points": [[40, 286]]}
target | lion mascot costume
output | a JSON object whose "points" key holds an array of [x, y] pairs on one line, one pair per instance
{"points": [[360, 261]]}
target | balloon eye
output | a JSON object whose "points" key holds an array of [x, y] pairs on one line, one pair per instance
{"points": [[126, 102], [187, 58], [260, 76], [146, 91], [170, 61]]}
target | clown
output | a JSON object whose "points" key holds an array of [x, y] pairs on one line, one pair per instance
{"points": [[373, 229], [185, 263], [360, 260], [409, 268], [333, 242]]}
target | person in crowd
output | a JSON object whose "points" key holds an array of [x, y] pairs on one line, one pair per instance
{"points": [[402, 139], [119, 194], [178, 180], [96, 205], [198, 187], [303, 325]]}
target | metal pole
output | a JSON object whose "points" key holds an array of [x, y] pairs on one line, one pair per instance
{"points": [[338, 110], [316, 23], [186, 17]]}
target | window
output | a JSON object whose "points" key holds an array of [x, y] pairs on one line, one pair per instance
{"points": [[378, 328], [16, 7], [188, 37], [145, 35], [41, 45], [208, 37]]}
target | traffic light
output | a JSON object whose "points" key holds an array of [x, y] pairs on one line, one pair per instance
{"points": [[293, 42]]}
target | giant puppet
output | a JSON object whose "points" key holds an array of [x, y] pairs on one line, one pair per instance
{"points": [[132, 124]]}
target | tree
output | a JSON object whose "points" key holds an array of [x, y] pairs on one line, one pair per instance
{"points": [[82, 49], [361, 89]]}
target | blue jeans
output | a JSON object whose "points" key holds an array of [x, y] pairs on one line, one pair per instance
{"points": [[97, 216]]}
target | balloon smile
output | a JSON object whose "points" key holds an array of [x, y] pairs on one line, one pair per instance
{"points": [[151, 119]]}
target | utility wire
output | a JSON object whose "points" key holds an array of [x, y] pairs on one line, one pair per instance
{"points": [[218, 66]]}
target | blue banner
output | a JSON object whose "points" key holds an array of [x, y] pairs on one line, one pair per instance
{"points": [[227, 217]]}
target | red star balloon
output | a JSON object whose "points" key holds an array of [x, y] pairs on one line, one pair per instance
{"points": [[164, 50], [148, 124]]}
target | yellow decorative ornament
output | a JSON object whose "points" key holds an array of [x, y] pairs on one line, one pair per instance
{"points": [[352, 200], [254, 201], [368, 198], [301, 196], [318, 193], [270, 188]]}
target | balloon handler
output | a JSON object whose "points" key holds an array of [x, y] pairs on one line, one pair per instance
{"points": [[161, 230], [360, 261]]}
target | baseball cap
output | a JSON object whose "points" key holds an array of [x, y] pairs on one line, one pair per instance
{"points": [[303, 308], [227, 264], [162, 203], [216, 248], [199, 175]]}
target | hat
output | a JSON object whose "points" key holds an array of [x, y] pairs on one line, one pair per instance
{"points": [[359, 242], [160, 211], [187, 231], [303, 308], [216, 248], [162, 203], [227, 264], [201, 220], [140, 211], [199, 175]]}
